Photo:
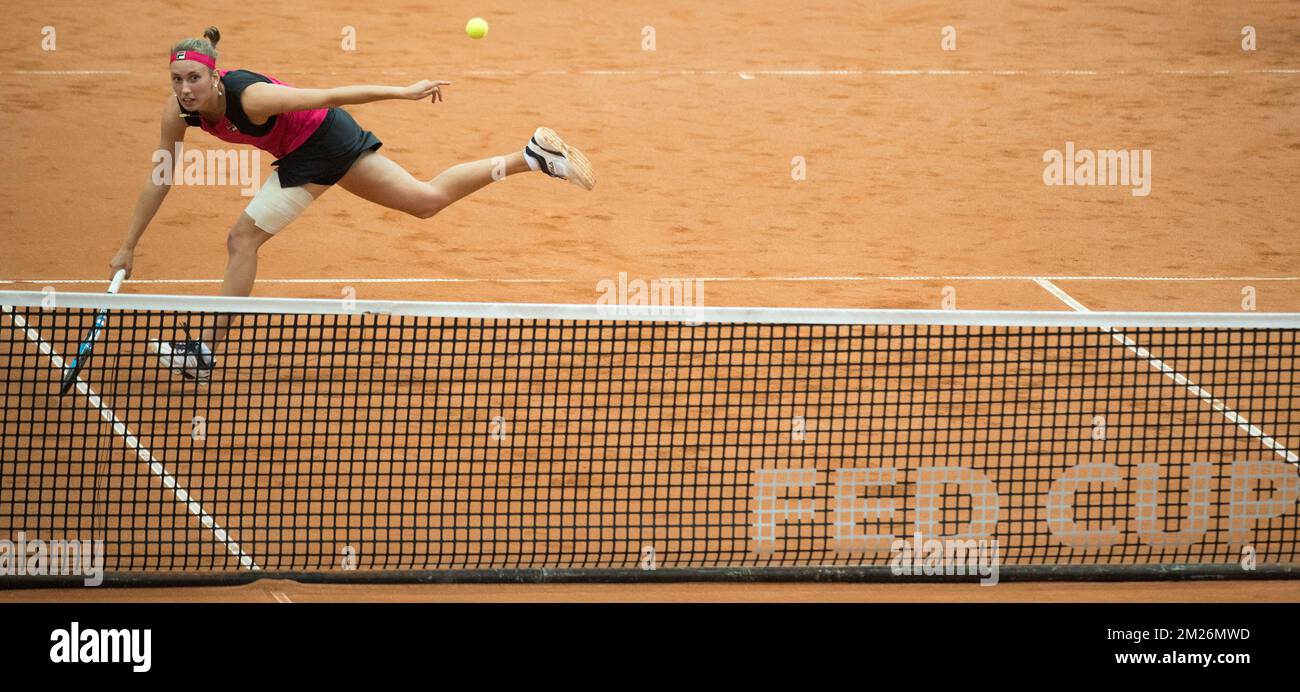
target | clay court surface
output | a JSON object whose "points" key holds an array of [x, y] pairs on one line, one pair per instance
{"points": [[280, 591], [923, 171]]}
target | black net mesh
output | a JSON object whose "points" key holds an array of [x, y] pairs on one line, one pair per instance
{"points": [[375, 442]]}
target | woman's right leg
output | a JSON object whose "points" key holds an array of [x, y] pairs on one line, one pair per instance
{"points": [[242, 245], [191, 357], [245, 241]]}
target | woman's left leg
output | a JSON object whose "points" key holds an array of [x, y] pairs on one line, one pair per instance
{"points": [[377, 178]]}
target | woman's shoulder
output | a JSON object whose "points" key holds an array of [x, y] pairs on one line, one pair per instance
{"points": [[238, 80], [243, 76]]}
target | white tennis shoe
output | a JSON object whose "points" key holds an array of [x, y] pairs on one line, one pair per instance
{"points": [[192, 360], [559, 160]]}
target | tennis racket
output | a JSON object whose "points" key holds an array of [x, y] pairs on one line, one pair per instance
{"points": [[71, 370]]}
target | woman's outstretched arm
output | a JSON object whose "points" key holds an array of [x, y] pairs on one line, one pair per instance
{"points": [[262, 100]]}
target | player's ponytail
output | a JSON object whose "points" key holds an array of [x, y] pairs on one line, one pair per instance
{"points": [[206, 45]]}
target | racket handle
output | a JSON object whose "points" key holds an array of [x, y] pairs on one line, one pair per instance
{"points": [[116, 283]]}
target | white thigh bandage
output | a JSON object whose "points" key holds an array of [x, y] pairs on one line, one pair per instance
{"points": [[273, 207]]}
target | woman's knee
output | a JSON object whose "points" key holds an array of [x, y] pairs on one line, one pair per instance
{"points": [[429, 203], [245, 237]]}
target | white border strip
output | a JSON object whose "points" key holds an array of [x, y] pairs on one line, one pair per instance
{"points": [[788, 72], [169, 481], [715, 279], [65, 72], [414, 280], [632, 313], [960, 277], [1178, 378]]}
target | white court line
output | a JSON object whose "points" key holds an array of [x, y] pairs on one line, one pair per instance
{"points": [[65, 72], [1177, 377], [882, 72], [169, 481], [961, 277], [415, 280], [714, 279], [807, 73], [793, 72], [281, 597]]}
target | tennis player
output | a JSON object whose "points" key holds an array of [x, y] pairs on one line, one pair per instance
{"points": [[317, 145]]}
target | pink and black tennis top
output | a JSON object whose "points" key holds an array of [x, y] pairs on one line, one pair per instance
{"points": [[311, 146], [279, 135]]}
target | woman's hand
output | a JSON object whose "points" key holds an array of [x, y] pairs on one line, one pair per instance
{"points": [[427, 88], [123, 260]]}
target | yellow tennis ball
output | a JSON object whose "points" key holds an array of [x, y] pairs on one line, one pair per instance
{"points": [[477, 28]]}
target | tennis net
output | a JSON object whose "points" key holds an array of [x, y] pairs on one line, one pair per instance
{"points": [[508, 441]]}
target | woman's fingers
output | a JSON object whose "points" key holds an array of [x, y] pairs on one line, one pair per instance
{"points": [[429, 88], [437, 90]]}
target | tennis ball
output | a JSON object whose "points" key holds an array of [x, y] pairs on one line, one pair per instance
{"points": [[477, 28]]}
